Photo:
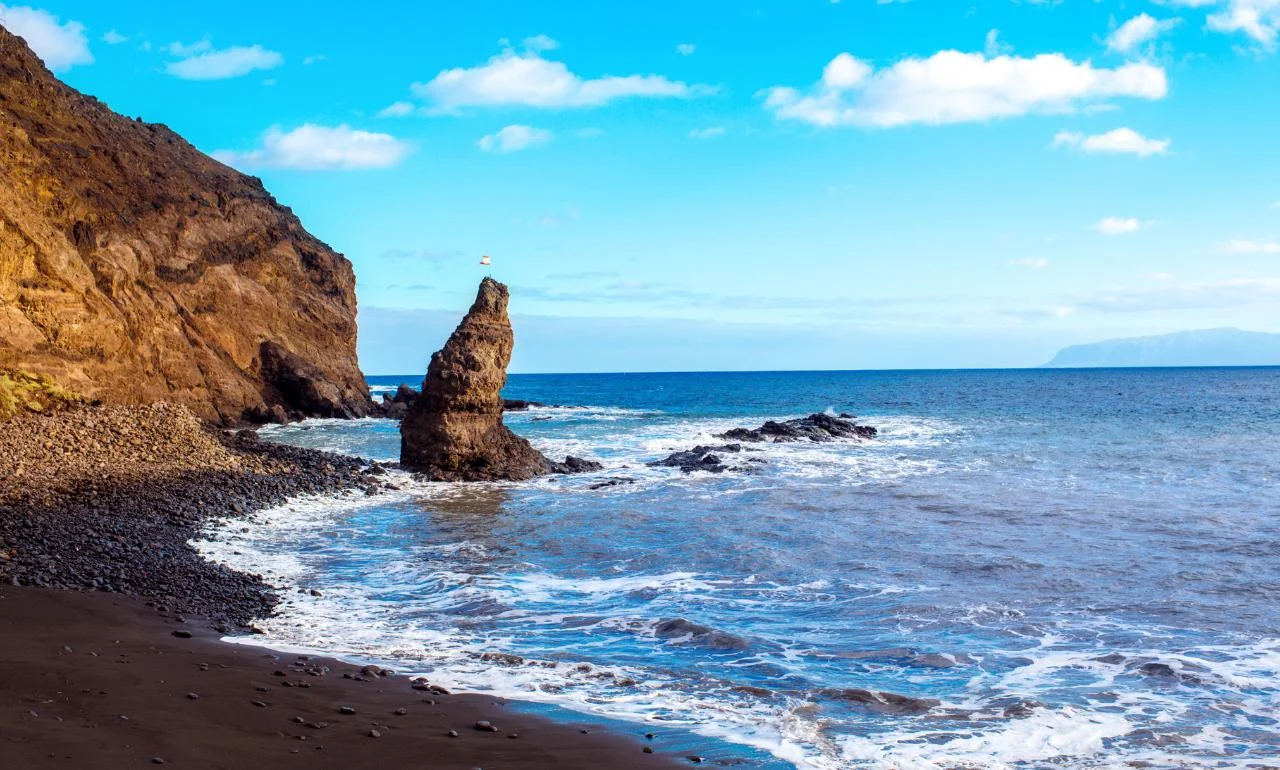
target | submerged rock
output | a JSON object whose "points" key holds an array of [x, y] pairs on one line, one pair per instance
{"points": [[454, 430], [816, 427], [677, 628], [882, 702]]}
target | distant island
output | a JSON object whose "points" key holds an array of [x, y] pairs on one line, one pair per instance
{"points": [[1206, 347]]}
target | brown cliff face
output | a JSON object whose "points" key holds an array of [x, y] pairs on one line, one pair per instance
{"points": [[454, 431], [133, 268]]}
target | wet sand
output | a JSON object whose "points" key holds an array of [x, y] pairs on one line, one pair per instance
{"points": [[94, 680]]}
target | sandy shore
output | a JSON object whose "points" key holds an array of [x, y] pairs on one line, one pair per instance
{"points": [[89, 680]]}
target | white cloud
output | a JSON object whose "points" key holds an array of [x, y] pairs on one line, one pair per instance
{"points": [[60, 46], [540, 43], [315, 148], [1245, 246], [956, 87], [710, 132], [397, 110], [1258, 19], [1038, 263], [527, 79], [994, 46], [1118, 225], [316, 59], [114, 38], [514, 138], [1120, 140], [1140, 29], [686, 49], [201, 62]]}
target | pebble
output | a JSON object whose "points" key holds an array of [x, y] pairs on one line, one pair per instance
{"points": [[193, 696], [400, 712], [375, 734], [648, 749], [453, 733], [157, 760], [485, 727], [346, 710], [259, 704], [182, 634]]}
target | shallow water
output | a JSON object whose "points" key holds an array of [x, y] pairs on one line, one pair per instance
{"points": [[1081, 567]]}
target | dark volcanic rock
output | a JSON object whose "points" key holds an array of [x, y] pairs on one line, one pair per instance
{"points": [[516, 405], [815, 427], [701, 458], [883, 702], [678, 628], [135, 269], [299, 386], [454, 431]]}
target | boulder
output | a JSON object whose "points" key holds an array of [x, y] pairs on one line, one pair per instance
{"points": [[454, 431]]}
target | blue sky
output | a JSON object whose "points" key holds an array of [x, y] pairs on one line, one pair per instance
{"points": [[740, 185]]}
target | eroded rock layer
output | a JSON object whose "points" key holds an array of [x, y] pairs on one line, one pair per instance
{"points": [[134, 268]]}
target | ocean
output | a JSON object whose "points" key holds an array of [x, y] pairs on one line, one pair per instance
{"points": [[1037, 568]]}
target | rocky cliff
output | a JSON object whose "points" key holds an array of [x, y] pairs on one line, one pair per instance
{"points": [[133, 268], [454, 430]]}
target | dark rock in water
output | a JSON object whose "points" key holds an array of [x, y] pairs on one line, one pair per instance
{"points": [[516, 405], [573, 464], [882, 702], [815, 427], [611, 483], [454, 431], [405, 395], [700, 634], [700, 458]]}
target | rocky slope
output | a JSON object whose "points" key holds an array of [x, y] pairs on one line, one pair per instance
{"points": [[133, 268], [454, 430]]}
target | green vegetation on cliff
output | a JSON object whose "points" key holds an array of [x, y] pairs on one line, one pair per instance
{"points": [[28, 392]]}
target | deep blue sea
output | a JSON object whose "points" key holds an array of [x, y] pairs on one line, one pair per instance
{"points": [[1081, 567]]}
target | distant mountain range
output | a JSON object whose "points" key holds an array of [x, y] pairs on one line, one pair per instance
{"points": [[1207, 347]]}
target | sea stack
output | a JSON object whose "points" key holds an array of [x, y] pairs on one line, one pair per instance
{"points": [[454, 431]]}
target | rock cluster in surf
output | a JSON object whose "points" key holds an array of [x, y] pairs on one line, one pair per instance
{"points": [[816, 427], [819, 428], [454, 430]]}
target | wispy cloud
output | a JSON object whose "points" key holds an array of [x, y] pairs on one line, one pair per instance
{"points": [[200, 61], [1259, 20], [1142, 28], [1118, 225], [956, 87], [711, 132], [59, 45], [1038, 263], [1249, 246], [317, 148], [686, 49], [513, 139], [1120, 140]]}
